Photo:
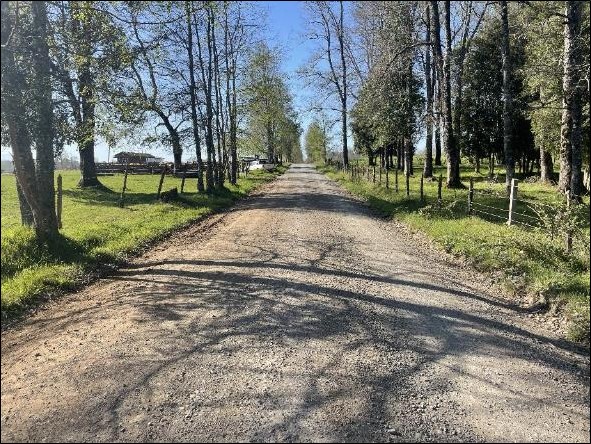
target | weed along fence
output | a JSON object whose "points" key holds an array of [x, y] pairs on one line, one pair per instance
{"points": [[562, 219]]}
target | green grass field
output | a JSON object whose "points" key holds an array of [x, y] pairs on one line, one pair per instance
{"points": [[526, 261], [96, 231]]}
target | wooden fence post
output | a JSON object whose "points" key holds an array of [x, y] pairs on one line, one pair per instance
{"points": [[387, 178], [121, 197], [59, 201], [439, 182], [183, 179], [407, 185], [380, 175], [512, 197], [422, 180], [161, 182], [374, 173], [470, 195]]}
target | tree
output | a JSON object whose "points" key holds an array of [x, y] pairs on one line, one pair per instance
{"points": [[27, 110], [329, 30], [153, 88], [482, 112], [471, 15], [540, 26], [316, 142], [444, 88], [570, 179], [193, 94], [84, 53], [428, 167], [268, 100], [289, 139], [507, 98]]}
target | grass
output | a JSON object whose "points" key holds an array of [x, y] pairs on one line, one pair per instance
{"points": [[97, 233], [525, 261]]}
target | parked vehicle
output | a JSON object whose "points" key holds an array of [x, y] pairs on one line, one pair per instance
{"points": [[256, 165]]}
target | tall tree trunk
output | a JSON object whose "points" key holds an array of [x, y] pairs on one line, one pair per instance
{"points": [[219, 120], [507, 99], [344, 96], [86, 87], [443, 76], [230, 97], [570, 131], [407, 157], [25, 208], [428, 168], [209, 173], [175, 139], [451, 148], [270, 142], [437, 115], [233, 128], [457, 121], [44, 129], [13, 109], [399, 154], [193, 88], [177, 151]]}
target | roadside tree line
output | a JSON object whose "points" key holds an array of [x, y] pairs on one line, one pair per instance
{"points": [[188, 75], [506, 82]]}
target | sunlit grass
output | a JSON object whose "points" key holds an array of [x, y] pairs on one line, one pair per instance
{"points": [[96, 231]]}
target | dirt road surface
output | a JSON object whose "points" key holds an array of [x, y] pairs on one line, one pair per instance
{"points": [[297, 316]]}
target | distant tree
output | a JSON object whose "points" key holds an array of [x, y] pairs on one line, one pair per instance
{"points": [[329, 66], [316, 141], [267, 98], [289, 139], [482, 112], [85, 50]]}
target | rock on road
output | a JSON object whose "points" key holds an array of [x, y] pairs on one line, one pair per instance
{"points": [[297, 316]]}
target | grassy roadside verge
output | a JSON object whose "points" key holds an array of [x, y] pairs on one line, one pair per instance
{"points": [[526, 263], [97, 235]]}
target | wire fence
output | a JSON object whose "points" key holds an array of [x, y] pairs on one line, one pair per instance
{"points": [[509, 207]]}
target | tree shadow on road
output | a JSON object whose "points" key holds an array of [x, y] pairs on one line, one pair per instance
{"points": [[386, 344]]}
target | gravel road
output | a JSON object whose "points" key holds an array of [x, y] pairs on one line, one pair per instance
{"points": [[297, 316]]}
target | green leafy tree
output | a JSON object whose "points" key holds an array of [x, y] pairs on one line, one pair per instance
{"points": [[27, 110], [316, 142], [268, 102]]}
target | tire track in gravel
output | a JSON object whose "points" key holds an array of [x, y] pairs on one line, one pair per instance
{"points": [[298, 317]]}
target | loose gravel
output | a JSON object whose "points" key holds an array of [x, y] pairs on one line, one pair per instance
{"points": [[297, 316]]}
